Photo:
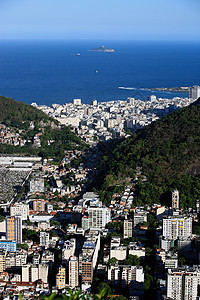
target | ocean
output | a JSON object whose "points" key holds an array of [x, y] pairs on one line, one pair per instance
{"points": [[49, 71]]}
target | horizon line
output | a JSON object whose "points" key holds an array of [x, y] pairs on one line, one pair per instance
{"points": [[102, 39]]}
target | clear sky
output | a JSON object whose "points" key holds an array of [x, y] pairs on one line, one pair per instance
{"points": [[100, 19]]}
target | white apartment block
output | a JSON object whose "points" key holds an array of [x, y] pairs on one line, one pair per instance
{"points": [[93, 241], [68, 249], [139, 217], [34, 273], [77, 101], [195, 92], [36, 259], [98, 217], [31, 273], [165, 243], [20, 210], [114, 274], [175, 199], [132, 274], [44, 239], [36, 185], [16, 259], [128, 229], [43, 272], [182, 284], [177, 226], [25, 273], [73, 272]]}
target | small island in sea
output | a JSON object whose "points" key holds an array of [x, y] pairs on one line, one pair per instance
{"points": [[102, 49]]}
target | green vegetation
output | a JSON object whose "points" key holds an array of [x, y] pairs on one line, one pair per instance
{"points": [[54, 139], [29, 234], [132, 260], [73, 295], [22, 246], [167, 151], [19, 114]]}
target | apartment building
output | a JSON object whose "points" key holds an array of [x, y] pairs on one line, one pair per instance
{"points": [[14, 229], [182, 283], [73, 272], [20, 210]]}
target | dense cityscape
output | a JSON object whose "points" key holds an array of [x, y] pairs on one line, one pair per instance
{"points": [[58, 235]]}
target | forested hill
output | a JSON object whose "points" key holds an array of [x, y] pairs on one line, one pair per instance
{"points": [[19, 114], [41, 135], [168, 151]]}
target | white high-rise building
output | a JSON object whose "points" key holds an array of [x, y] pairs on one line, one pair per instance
{"points": [[195, 92], [73, 272], [176, 227], [114, 274], [43, 272], [34, 273], [20, 210], [61, 278], [128, 229], [44, 239], [25, 273], [99, 215], [29, 273], [77, 101], [175, 199], [132, 274], [182, 284]]}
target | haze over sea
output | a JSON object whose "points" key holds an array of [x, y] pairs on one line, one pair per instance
{"points": [[48, 72]]}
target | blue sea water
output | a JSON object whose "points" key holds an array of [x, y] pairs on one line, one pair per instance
{"points": [[47, 72]]}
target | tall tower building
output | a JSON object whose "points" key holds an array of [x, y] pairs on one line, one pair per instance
{"points": [[73, 272], [128, 229], [61, 278], [34, 273], [44, 239], [26, 273], [175, 199], [195, 92], [87, 272], [43, 272], [14, 229]]}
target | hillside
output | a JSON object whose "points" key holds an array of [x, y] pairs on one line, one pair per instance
{"points": [[33, 132], [167, 152], [19, 114]]}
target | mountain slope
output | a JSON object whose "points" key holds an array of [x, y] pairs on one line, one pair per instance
{"points": [[19, 114], [43, 135], [168, 151]]}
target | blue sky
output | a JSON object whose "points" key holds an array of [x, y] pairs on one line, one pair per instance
{"points": [[104, 19]]}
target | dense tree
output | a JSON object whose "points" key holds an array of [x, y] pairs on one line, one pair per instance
{"points": [[167, 151]]}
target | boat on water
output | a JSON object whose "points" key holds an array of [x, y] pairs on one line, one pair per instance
{"points": [[75, 54]]}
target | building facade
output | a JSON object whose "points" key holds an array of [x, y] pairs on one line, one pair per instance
{"points": [[14, 229], [182, 284], [73, 272]]}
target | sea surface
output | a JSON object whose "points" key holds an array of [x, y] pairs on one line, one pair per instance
{"points": [[49, 71]]}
